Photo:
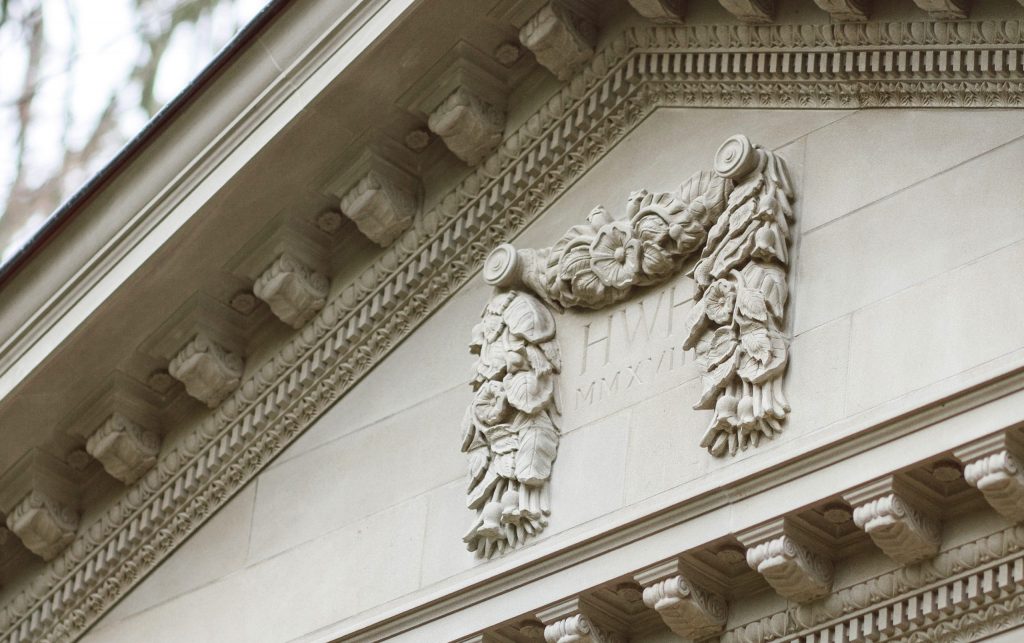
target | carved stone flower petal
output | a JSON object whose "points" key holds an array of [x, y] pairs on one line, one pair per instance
{"points": [[574, 259], [654, 261], [528, 391], [490, 406], [587, 288], [615, 256], [719, 302], [757, 368], [651, 228]]}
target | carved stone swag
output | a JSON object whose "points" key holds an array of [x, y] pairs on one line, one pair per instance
{"points": [[735, 221]]}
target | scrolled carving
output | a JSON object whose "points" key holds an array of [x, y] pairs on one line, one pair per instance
{"points": [[293, 291], [792, 569], [688, 610], [45, 525], [579, 629], [903, 532], [510, 431], [208, 371], [125, 449], [999, 478]]}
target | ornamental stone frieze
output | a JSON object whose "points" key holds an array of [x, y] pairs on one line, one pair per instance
{"points": [[896, 519], [846, 10], [735, 220], [855, 65], [380, 194], [756, 11], [660, 11]]}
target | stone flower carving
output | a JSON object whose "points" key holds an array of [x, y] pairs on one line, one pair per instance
{"points": [[615, 255], [734, 222], [510, 431]]}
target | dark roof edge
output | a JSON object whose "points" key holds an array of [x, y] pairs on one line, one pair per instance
{"points": [[137, 143]]}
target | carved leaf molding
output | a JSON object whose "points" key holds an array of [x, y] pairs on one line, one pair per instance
{"points": [[625, 81]]}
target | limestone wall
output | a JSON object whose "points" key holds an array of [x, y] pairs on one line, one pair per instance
{"points": [[906, 283]]}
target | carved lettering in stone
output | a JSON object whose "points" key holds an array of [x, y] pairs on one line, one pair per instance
{"points": [[661, 11], [992, 467], [383, 203], [560, 39], [470, 126], [750, 10], [897, 524], [945, 9], [293, 291], [125, 449], [792, 569], [510, 431], [209, 371], [44, 525], [846, 10], [688, 610]]}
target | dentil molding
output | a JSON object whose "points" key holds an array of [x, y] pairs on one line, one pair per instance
{"points": [[928, 64]]}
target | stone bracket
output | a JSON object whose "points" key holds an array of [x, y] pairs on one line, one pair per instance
{"points": [[689, 610], [993, 467], [561, 39], [897, 520], [40, 498], [208, 370], [293, 291], [661, 11], [945, 9], [788, 561], [577, 621], [756, 11], [125, 449], [846, 10]]}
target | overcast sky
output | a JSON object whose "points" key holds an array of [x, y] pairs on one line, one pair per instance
{"points": [[91, 47]]}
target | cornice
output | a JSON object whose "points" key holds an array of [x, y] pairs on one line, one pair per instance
{"points": [[845, 66]]}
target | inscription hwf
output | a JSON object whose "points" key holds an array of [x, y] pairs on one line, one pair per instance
{"points": [[632, 341]]}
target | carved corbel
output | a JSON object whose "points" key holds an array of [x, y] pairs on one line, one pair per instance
{"points": [[687, 609], [896, 519], [561, 39], [208, 370], [293, 291], [661, 11], [993, 467], [846, 10], [125, 449], [384, 200], [469, 125], [945, 9], [758, 11], [787, 561], [576, 621], [40, 499]]}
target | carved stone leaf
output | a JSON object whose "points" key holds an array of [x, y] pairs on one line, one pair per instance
{"points": [[718, 347], [741, 216], [734, 252], [745, 190], [573, 261], [504, 464], [654, 261], [696, 323], [714, 381], [751, 304], [757, 345], [756, 371], [528, 391], [538, 445], [468, 428], [479, 458], [529, 319]]}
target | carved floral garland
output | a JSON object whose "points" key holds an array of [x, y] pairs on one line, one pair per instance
{"points": [[739, 217]]}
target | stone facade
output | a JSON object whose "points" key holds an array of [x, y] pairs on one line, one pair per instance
{"points": [[860, 480]]}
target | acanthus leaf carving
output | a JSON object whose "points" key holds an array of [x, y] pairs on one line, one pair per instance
{"points": [[44, 524], [469, 125], [846, 10], [787, 562], [993, 467], [896, 521], [689, 610]]}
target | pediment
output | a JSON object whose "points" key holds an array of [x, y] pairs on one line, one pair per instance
{"points": [[559, 151]]}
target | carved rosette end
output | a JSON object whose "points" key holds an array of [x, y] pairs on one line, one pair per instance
{"points": [[501, 268]]}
